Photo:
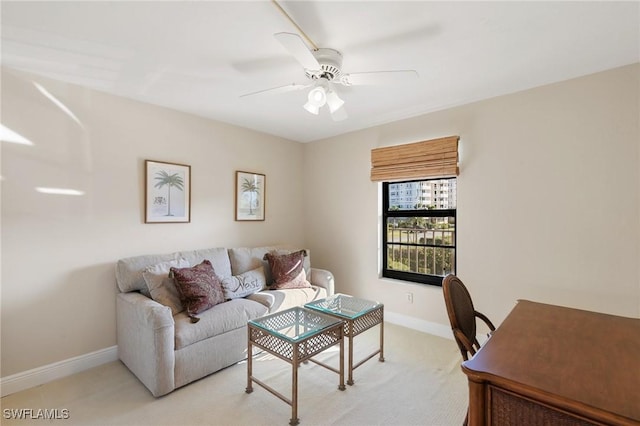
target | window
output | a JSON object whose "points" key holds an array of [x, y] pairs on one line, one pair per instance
{"points": [[418, 235], [419, 215]]}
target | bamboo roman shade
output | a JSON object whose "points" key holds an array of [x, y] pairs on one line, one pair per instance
{"points": [[427, 159]]}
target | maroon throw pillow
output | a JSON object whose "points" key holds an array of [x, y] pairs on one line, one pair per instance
{"points": [[287, 270], [199, 288]]}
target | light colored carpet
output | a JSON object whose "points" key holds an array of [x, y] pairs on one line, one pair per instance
{"points": [[420, 383]]}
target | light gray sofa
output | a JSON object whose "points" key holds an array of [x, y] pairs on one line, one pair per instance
{"points": [[167, 351]]}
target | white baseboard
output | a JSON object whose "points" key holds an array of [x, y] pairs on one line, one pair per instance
{"points": [[41, 375], [426, 326], [418, 324], [38, 376]]}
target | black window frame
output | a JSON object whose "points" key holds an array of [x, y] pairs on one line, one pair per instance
{"points": [[435, 280]]}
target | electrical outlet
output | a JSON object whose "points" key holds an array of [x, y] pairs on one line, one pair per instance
{"points": [[409, 297]]}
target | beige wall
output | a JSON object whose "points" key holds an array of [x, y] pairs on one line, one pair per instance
{"points": [[58, 252], [548, 201], [548, 198]]}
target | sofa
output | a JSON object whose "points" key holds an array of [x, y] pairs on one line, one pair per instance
{"points": [[166, 347]]}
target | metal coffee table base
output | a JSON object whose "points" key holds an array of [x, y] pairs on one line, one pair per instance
{"points": [[353, 327], [358, 315], [294, 353]]}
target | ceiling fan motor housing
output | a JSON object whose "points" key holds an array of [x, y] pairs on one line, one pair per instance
{"points": [[330, 61]]}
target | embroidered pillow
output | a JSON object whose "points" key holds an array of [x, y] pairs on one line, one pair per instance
{"points": [[199, 288], [244, 284], [161, 286], [288, 270], [285, 250]]}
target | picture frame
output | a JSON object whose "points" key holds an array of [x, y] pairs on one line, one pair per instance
{"points": [[250, 196], [167, 192]]}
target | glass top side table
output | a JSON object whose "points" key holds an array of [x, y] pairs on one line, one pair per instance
{"points": [[294, 335], [358, 315]]}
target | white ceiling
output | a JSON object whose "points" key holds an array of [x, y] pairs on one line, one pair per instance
{"points": [[200, 56]]}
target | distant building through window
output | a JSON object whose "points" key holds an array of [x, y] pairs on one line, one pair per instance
{"points": [[419, 230]]}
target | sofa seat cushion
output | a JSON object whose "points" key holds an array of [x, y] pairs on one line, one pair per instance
{"points": [[278, 300], [219, 319]]}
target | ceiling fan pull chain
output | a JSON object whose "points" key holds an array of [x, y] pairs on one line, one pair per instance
{"points": [[294, 24]]}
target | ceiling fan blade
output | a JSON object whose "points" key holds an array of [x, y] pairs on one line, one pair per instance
{"points": [[340, 114], [279, 89], [377, 77], [296, 46]]}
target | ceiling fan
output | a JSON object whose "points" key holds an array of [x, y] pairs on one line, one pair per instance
{"points": [[323, 68]]}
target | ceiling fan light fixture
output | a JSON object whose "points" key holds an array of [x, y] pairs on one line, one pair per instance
{"points": [[333, 101], [316, 99], [312, 108], [318, 96]]}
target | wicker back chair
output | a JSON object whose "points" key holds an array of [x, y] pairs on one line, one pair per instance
{"points": [[462, 315]]}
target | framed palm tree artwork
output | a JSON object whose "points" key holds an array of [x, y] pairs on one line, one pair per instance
{"points": [[167, 192], [250, 196]]}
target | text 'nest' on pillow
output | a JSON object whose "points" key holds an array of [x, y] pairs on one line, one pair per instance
{"points": [[244, 284]]}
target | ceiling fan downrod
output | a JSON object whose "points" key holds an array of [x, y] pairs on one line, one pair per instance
{"points": [[286, 15]]}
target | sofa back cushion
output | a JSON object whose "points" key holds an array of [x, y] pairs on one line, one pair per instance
{"points": [[245, 259], [129, 270], [219, 258]]}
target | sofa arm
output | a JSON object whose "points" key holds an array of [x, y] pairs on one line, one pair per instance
{"points": [[322, 278], [146, 339]]}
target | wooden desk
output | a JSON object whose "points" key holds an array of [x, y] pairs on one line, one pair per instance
{"points": [[553, 365]]}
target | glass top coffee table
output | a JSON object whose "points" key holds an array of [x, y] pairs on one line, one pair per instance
{"points": [[358, 315], [294, 335]]}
